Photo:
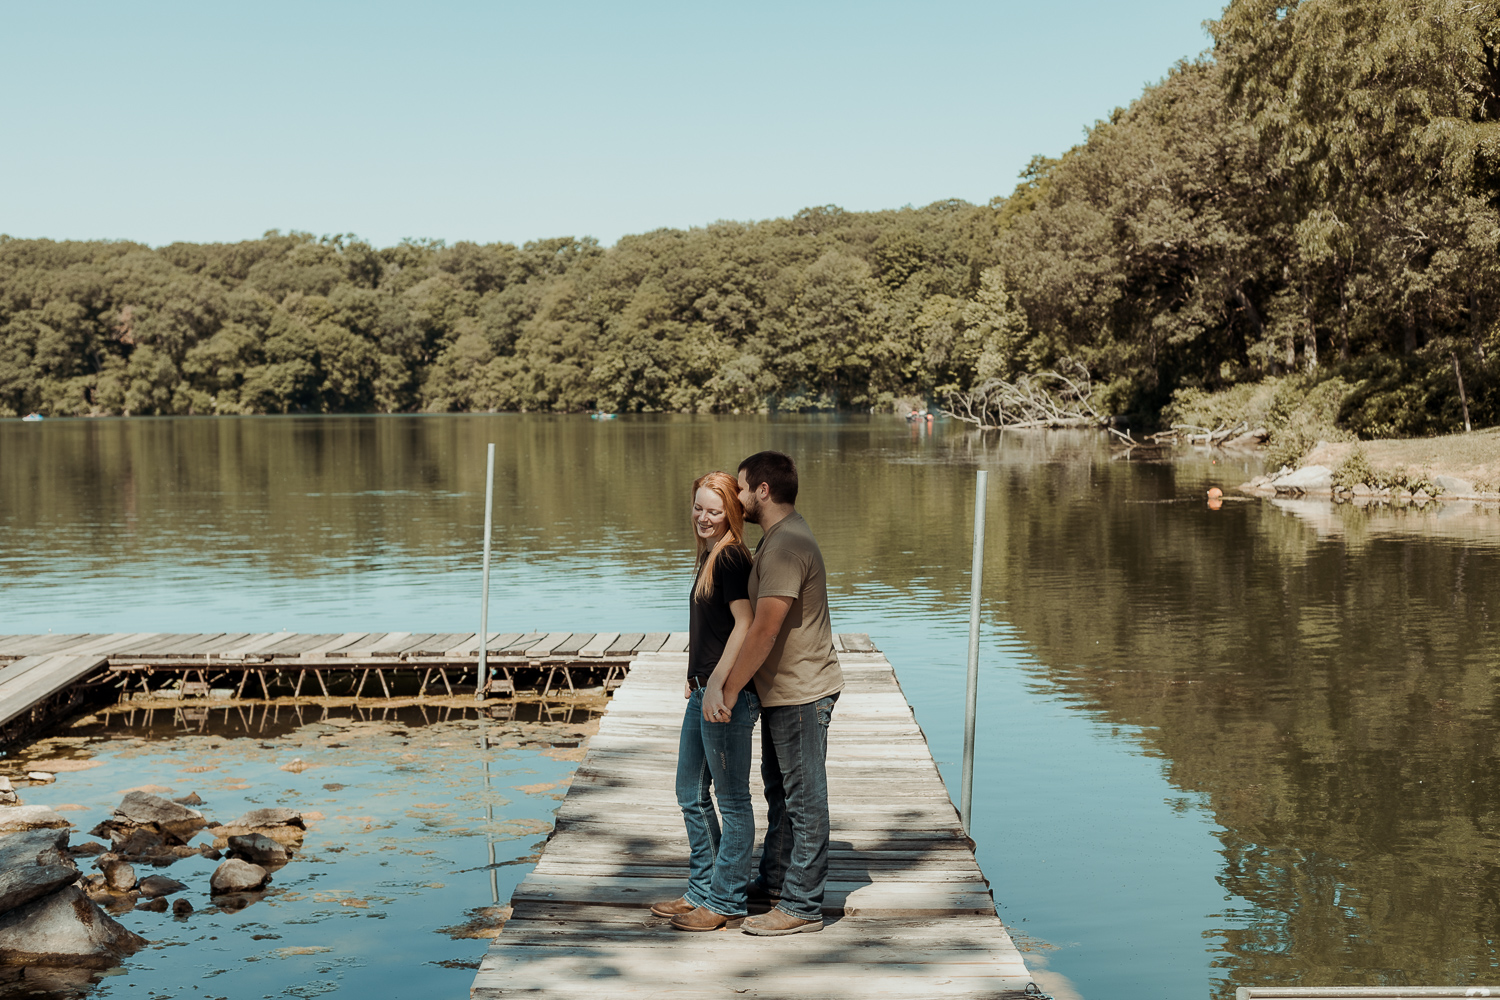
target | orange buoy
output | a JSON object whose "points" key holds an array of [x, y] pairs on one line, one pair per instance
{"points": [[1214, 493]]}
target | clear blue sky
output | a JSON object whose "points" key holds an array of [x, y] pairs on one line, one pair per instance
{"points": [[516, 121]]}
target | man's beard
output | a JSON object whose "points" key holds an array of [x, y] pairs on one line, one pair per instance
{"points": [[752, 509]]}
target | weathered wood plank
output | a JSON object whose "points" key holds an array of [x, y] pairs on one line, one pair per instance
{"points": [[855, 642], [598, 645], [547, 643], [651, 642], [296, 642], [38, 684], [911, 911], [572, 644], [522, 642], [625, 642], [339, 642], [37, 644]]}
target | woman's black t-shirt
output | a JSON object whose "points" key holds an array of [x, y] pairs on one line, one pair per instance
{"points": [[710, 620]]}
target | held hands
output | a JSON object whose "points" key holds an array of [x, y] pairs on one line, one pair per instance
{"points": [[714, 708]]}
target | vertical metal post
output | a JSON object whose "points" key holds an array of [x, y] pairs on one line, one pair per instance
{"points": [[489, 815], [484, 599], [971, 699]]}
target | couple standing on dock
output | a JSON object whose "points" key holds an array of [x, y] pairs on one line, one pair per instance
{"points": [[760, 650]]}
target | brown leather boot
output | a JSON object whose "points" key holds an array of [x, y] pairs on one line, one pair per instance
{"points": [[672, 907], [778, 922], [703, 919]]}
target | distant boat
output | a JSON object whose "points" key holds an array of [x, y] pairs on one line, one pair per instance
{"points": [[32, 418], [602, 416]]}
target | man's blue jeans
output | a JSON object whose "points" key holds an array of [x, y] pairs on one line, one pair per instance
{"points": [[717, 754], [793, 752]]}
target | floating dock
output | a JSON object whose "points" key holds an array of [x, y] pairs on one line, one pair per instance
{"points": [[910, 914]]}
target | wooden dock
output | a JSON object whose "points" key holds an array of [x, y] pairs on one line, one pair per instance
{"points": [[43, 677], [910, 913]]}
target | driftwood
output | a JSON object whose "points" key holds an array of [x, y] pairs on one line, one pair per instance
{"points": [[1046, 399], [1215, 438]]}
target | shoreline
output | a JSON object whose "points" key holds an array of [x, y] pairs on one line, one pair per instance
{"points": [[1405, 470]]}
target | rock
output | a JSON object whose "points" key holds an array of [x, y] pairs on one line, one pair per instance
{"points": [[261, 819], [210, 853], [181, 907], [141, 842], [1363, 489], [119, 876], [297, 766], [64, 928], [235, 875], [8, 796], [1453, 486], [34, 847], [89, 848], [1312, 478], [190, 799], [42, 777], [159, 885], [14, 818], [19, 886], [156, 905], [148, 826], [257, 847], [141, 808], [284, 825], [1421, 496]]}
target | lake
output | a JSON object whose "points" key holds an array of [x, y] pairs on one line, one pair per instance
{"points": [[1218, 747]]}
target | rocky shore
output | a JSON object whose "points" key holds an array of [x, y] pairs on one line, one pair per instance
{"points": [[54, 914], [1320, 481], [1455, 467]]}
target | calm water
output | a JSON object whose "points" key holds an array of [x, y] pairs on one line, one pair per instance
{"points": [[1226, 747]]}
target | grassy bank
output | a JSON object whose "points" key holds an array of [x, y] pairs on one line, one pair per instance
{"points": [[1330, 421], [1413, 462]]}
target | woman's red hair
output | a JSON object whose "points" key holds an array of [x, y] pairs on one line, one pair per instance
{"points": [[727, 489]]}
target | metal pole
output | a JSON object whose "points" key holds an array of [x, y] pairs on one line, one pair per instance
{"points": [[971, 700], [489, 815], [484, 599]]}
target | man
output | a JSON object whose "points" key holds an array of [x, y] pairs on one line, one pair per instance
{"points": [[789, 652]]}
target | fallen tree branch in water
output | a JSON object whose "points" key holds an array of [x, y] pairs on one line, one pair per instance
{"points": [[1045, 399]]}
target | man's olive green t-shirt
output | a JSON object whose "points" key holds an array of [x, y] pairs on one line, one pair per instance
{"points": [[801, 667]]}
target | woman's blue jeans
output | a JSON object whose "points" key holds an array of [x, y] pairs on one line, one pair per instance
{"points": [[717, 754]]}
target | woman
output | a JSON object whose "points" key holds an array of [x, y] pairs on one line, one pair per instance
{"points": [[716, 751]]}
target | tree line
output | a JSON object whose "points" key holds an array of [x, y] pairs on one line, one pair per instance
{"points": [[1316, 198]]}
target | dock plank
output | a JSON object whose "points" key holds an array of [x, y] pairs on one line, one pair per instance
{"points": [[547, 643], [909, 911], [48, 678], [625, 642], [519, 645], [599, 644]]}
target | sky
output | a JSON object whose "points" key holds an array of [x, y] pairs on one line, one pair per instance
{"points": [[501, 121]]}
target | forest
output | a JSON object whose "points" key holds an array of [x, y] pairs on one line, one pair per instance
{"points": [[1314, 201]]}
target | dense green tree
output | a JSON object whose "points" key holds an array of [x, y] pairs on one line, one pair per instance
{"points": [[1320, 196]]}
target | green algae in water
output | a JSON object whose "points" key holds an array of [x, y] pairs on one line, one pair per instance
{"points": [[393, 892]]}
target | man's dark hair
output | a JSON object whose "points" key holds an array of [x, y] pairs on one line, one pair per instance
{"points": [[776, 470]]}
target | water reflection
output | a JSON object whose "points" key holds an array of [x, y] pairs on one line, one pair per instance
{"points": [[1233, 746]]}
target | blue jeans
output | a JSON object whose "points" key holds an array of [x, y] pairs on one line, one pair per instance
{"points": [[717, 753], [793, 752]]}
